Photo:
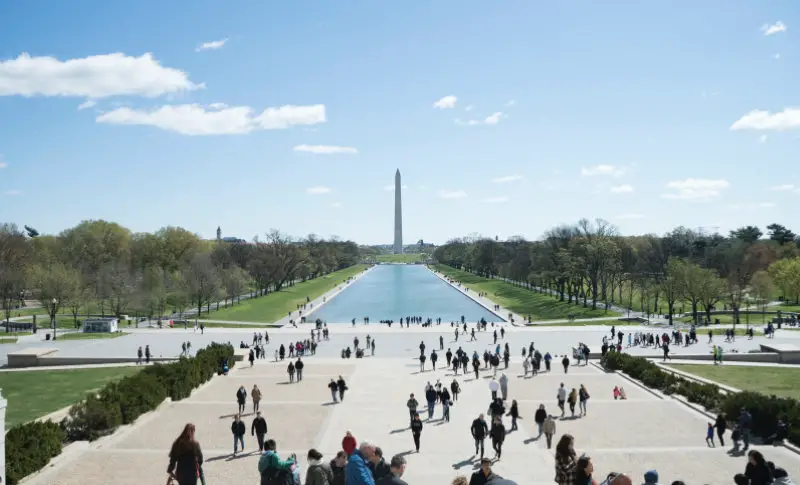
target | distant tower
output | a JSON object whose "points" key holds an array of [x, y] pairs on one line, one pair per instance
{"points": [[219, 233], [398, 214]]}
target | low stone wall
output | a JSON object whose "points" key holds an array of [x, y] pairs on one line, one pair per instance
{"points": [[766, 357]]}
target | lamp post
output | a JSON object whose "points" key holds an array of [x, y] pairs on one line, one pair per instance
{"points": [[53, 317], [747, 315]]}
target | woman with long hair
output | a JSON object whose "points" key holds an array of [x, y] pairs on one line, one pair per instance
{"points": [[757, 470], [186, 458], [583, 471], [566, 462]]}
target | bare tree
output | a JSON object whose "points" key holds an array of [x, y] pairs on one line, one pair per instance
{"points": [[14, 261], [202, 280]]}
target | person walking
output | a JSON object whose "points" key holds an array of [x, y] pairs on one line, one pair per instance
{"points": [[238, 430], [185, 458], [412, 405], [494, 386], [572, 400], [583, 396], [455, 389], [341, 386], [334, 390], [255, 394], [539, 417], [290, 369], [566, 461], [710, 435], [318, 472], [514, 413], [434, 358], [479, 430], [745, 420], [503, 385], [561, 396], [565, 363], [485, 475], [298, 366], [498, 435], [241, 398], [259, 430], [422, 362], [444, 398], [349, 443], [430, 398], [338, 465], [721, 425], [549, 428], [397, 468], [416, 430]]}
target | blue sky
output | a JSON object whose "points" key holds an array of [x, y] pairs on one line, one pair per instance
{"points": [[647, 114]]}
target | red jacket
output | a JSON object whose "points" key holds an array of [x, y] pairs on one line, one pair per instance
{"points": [[349, 445]]}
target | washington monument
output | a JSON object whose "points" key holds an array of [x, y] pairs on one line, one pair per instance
{"points": [[398, 215]]}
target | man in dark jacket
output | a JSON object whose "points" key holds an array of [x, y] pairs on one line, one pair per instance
{"points": [[484, 475], [338, 468], [378, 465], [479, 431], [238, 429], [298, 366], [241, 398], [397, 469], [259, 429]]}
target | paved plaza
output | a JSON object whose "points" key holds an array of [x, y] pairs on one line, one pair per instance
{"points": [[633, 436]]}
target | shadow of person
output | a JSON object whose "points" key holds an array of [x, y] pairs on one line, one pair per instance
{"points": [[461, 464]]}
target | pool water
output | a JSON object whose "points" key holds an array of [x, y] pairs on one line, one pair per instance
{"points": [[391, 292]]}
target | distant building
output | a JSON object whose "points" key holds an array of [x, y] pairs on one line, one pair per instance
{"points": [[100, 325], [233, 240], [219, 233]]}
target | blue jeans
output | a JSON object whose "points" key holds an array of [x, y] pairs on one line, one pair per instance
{"points": [[236, 441], [430, 410]]}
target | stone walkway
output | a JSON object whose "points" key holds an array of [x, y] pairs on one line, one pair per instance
{"points": [[645, 432]]}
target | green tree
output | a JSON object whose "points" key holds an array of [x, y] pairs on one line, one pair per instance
{"points": [[672, 285], [56, 285]]}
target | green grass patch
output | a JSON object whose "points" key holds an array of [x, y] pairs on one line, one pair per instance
{"points": [[780, 381], [62, 321], [274, 306], [522, 301], [755, 319], [402, 258], [611, 321], [8, 340], [33, 394], [190, 325], [89, 335], [785, 308]]}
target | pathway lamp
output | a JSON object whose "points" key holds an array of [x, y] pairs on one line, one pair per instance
{"points": [[53, 316], [747, 315]]}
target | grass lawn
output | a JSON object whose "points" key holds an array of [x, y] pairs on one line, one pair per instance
{"points": [[219, 325], [33, 394], [611, 321], [275, 306], [785, 308], [62, 321], [521, 300], [8, 340], [88, 336], [755, 320], [402, 258], [784, 382]]}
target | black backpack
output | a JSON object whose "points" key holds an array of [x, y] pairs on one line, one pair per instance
{"points": [[276, 476]]}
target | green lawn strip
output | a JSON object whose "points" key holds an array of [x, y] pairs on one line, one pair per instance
{"points": [[190, 325], [754, 319], [277, 305], [519, 300], [7, 340], [62, 321], [785, 308], [780, 381], [33, 394], [402, 258], [611, 321], [89, 335]]}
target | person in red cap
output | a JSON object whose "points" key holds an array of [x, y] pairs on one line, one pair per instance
{"points": [[349, 443]]}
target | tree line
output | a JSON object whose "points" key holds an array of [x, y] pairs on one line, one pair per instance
{"points": [[99, 266], [590, 263]]}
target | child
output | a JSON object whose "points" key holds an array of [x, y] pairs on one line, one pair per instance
{"points": [[616, 393], [710, 435]]}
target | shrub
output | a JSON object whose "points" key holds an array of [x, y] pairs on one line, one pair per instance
{"points": [[29, 447]]}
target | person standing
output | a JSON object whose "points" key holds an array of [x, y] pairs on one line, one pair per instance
{"points": [[255, 394], [572, 400], [185, 458], [503, 386], [498, 435], [484, 475], [349, 443], [479, 430], [441, 342], [338, 465], [397, 467], [745, 419], [416, 430], [341, 386], [566, 461], [270, 466], [378, 465], [434, 358], [290, 370], [583, 396], [318, 472], [422, 362], [455, 389], [333, 388], [412, 404], [539, 418], [430, 397], [139, 354], [241, 398], [444, 398], [565, 363], [514, 413], [147, 354], [549, 428], [721, 425], [299, 368], [238, 430], [494, 386], [259, 430]]}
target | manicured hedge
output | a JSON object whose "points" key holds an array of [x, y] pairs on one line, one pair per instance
{"points": [[766, 410], [30, 446]]}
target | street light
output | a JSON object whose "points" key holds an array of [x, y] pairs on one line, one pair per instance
{"points": [[53, 317]]}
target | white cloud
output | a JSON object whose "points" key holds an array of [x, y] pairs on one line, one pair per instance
{"points": [[630, 216], [446, 102], [762, 139], [495, 200], [764, 120], [621, 189], [325, 149], [211, 45], [695, 189], [91, 77], [452, 194], [602, 169], [89, 103], [468, 108], [492, 119], [217, 105], [391, 187], [506, 179], [194, 119], [319, 190], [336, 205], [783, 188], [775, 28]]}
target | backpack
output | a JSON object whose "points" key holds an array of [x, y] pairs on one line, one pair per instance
{"points": [[275, 476]]}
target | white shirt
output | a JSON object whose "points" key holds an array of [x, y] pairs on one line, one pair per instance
{"points": [[494, 386], [562, 393]]}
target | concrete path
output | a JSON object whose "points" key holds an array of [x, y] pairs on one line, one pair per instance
{"points": [[647, 431]]}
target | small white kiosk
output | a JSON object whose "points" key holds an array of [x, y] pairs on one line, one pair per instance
{"points": [[100, 325]]}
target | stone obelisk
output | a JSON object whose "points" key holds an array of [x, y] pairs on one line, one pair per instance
{"points": [[398, 214]]}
